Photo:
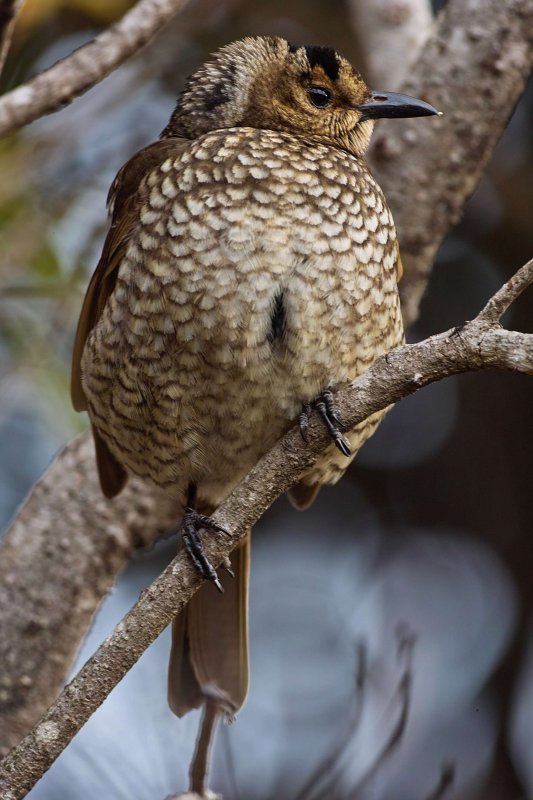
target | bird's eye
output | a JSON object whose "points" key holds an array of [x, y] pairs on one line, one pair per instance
{"points": [[319, 97]]}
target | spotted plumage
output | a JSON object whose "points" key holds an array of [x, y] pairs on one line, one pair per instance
{"points": [[251, 264], [180, 375]]}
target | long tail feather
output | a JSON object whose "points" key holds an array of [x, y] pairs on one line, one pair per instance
{"points": [[209, 655]]}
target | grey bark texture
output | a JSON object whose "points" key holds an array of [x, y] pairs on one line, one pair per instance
{"points": [[60, 557], [474, 68], [390, 34]]}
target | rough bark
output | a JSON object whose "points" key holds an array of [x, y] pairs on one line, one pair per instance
{"points": [[61, 555], [390, 34], [473, 68], [476, 345]]}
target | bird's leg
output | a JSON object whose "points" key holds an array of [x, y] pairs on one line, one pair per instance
{"points": [[191, 525], [325, 405]]}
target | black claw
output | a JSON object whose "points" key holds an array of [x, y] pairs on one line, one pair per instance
{"points": [[303, 421], [325, 405], [206, 522], [343, 445], [191, 525], [331, 409]]}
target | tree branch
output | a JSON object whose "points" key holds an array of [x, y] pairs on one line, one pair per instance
{"points": [[473, 68], [59, 558], [476, 345], [504, 297], [390, 34], [70, 77]]}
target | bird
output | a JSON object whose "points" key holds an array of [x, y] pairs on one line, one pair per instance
{"points": [[250, 267]]}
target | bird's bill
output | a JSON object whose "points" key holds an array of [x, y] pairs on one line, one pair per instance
{"points": [[392, 104]]}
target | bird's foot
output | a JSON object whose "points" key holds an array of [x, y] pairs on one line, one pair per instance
{"points": [[192, 524], [325, 405]]}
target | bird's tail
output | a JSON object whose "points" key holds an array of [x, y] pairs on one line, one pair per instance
{"points": [[209, 655]]}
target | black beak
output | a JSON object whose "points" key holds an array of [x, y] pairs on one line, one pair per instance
{"points": [[390, 104]]}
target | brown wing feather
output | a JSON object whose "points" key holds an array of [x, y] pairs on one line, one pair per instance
{"points": [[111, 473], [100, 287], [302, 496], [123, 200]]}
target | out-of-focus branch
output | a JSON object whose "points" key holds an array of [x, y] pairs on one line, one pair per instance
{"points": [[476, 345], [59, 558], [57, 86], [9, 10], [390, 34], [445, 783], [473, 68]]}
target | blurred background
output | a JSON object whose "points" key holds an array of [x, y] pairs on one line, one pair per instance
{"points": [[391, 625]]}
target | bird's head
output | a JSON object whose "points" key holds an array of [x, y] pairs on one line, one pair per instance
{"points": [[265, 82]]}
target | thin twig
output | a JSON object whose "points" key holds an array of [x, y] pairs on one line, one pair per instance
{"points": [[390, 378], [446, 779], [70, 77], [500, 302], [403, 695], [323, 778]]}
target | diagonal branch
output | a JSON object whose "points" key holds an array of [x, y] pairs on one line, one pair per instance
{"points": [[57, 86], [504, 297], [476, 345]]}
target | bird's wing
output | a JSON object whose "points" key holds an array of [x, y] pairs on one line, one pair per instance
{"points": [[302, 495], [123, 203]]}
